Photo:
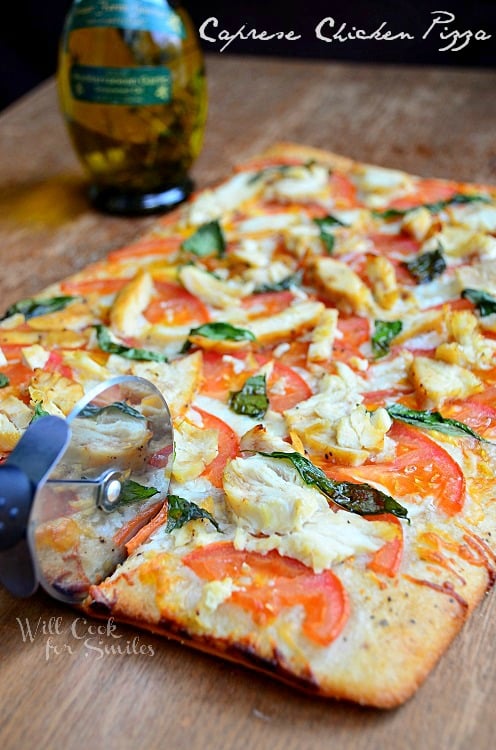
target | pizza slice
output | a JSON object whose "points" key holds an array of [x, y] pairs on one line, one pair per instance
{"points": [[324, 332]]}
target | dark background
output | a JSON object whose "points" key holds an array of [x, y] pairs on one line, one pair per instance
{"points": [[28, 40]]}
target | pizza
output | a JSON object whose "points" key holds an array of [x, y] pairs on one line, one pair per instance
{"points": [[324, 333]]}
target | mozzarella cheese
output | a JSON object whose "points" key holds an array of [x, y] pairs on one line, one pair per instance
{"points": [[275, 510]]}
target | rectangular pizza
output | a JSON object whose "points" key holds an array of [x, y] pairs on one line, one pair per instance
{"points": [[324, 333]]}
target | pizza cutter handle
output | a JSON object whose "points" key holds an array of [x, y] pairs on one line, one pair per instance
{"points": [[23, 472]]}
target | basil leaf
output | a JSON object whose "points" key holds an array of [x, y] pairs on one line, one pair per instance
{"points": [[207, 240], [132, 491], [384, 333], [219, 332], [457, 199], [356, 498], [252, 398], [111, 347], [426, 267], [276, 169], [325, 226], [90, 410], [39, 412], [280, 286], [31, 307], [4, 381], [431, 420], [484, 302], [180, 511]]}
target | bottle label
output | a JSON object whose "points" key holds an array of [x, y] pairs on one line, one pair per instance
{"points": [[145, 15], [127, 86]]}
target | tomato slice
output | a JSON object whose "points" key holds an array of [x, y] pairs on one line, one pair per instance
{"points": [[150, 246], [228, 447], [55, 363], [89, 286], [18, 374], [478, 415], [221, 375], [343, 190], [175, 306], [355, 332], [421, 468], [427, 191], [394, 244], [275, 583], [285, 388], [387, 559], [267, 303]]}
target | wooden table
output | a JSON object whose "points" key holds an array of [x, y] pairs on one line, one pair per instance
{"points": [[72, 689]]}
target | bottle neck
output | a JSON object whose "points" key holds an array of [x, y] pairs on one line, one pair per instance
{"points": [[158, 16]]}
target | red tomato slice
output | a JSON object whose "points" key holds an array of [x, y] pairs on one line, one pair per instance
{"points": [[151, 246], [175, 306], [100, 286], [295, 355], [343, 190], [427, 191], [276, 583], [55, 363], [421, 468], [18, 374], [12, 352], [268, 303], [356, 331], [220, 376], [285, 388], [474, 412], [394, 244], [387, 559], [228, 447]]}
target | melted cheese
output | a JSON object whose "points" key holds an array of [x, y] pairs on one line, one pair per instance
{"points": [[275, 510]]}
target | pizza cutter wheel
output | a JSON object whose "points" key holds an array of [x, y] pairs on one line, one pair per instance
{"points": [[74, 491]]}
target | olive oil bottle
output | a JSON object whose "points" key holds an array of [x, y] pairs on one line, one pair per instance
{"points": [[132, 89]]}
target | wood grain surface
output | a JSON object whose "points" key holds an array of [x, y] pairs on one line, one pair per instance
{"points": [[69, 686]]}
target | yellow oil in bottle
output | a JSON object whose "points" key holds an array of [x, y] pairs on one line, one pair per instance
{"points": [[132, 88]]}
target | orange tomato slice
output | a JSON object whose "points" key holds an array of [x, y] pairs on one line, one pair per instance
{"points": [[271, 583], [421, 468], [228, 447], [175, 306]]}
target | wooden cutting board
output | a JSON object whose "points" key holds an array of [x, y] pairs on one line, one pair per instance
{"points": [[63, 682]]}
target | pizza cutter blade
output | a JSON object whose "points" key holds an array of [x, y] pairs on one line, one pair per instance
{"points": [[110, 480]]}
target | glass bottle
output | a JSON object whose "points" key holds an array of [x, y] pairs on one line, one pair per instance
{"points": [[132, 89]]}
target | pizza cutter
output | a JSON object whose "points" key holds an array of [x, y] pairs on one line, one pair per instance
{"points": [[74, 491]]}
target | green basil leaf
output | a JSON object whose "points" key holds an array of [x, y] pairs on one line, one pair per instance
{"points": [[384, 333], [426, 267], [280, 286], [39, 412], [356, 498], [281, 169], [326, 225], [207, 240], [90, 410], [484, 302], [180, 511], [31, 307], [431, 420], [4, 381], [111, 347], [132, 491], [457, 199], [219, 332], [252, 399]]}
